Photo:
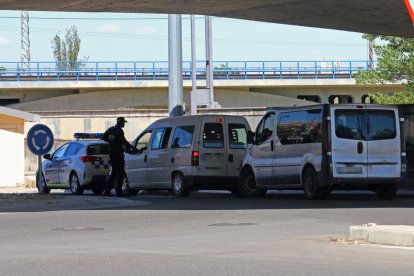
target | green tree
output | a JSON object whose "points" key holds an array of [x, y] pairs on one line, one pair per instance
{"points": [[395, 64], [66, 50]]}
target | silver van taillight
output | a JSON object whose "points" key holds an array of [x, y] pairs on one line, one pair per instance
{"points": [[195, 158]]}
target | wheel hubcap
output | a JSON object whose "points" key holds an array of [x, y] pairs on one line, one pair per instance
{"points": [[125, 185], [250, 184], [178, 183], [73, 183]]}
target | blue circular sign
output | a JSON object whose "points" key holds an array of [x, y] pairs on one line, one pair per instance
{"points": [[40, 139]]}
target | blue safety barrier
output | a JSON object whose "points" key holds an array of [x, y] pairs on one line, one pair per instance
{"points": [[158, 70]]}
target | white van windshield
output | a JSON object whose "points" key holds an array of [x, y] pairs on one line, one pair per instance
{"points": [[365, 125]]}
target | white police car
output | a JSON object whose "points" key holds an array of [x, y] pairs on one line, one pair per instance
{"points": [[77, 165]]}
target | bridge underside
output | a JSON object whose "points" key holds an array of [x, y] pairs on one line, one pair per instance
{"points": [[388, 17]]}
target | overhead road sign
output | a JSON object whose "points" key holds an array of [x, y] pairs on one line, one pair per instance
{"points": [[40, 139]]}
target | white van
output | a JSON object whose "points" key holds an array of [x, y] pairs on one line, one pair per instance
{"points": [[186, 153], [317, 148]]}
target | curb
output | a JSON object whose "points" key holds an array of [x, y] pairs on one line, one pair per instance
{"points": [[397, 235]]}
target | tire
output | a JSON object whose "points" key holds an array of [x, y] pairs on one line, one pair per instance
{"points": [[247, 185], [126, 190], [97, 189], [387, 191], [178, 185], [41, 184], [75, 186], [311, 186]]}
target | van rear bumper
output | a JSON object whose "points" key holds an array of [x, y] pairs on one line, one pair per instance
{"points": [[210, 182], [361, 182]]}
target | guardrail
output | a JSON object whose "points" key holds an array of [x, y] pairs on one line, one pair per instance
{"points": [[158, 70]]}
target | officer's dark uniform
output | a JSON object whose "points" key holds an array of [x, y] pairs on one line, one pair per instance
{"points": [[117, 145]]}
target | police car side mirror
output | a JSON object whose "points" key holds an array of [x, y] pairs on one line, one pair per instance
{"points": [[46, 156], [250, 137]]}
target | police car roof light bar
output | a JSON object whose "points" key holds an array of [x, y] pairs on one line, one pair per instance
{"points": [[84, 135]]}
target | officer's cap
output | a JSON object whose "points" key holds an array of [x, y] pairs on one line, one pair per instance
{"points": [[121, 119]]}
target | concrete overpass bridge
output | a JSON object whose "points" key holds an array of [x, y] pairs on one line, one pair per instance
{"points": [[136, 84]]}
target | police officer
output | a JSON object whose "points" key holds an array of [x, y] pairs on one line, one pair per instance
{"points": [[117, 145]]}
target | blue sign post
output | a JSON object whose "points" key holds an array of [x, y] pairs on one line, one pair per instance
{"points": [[40, 139]]}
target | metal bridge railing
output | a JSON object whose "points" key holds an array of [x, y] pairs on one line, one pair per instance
{"points": [[158, 70]]}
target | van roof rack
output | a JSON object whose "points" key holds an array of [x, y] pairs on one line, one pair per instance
{"points": [[85, 135]]}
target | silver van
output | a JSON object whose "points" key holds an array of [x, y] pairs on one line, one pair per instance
{"points": [[186, 153], [320, 147]]}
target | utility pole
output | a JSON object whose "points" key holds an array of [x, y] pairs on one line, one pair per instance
{"points": [[25, 42], [175, 66]]}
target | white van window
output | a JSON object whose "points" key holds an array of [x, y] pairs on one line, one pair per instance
{"points": [[350, 124], [142, 143], [265, 128], [289, 127], [213, 135], [381, 124], [183, 137], [161, 137], [237, 136], [300, 127]]}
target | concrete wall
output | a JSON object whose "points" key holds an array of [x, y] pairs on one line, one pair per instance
{"points": [[12, 168]]}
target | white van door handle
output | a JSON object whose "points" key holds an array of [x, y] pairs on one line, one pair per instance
{"points": [[172, 160], [360, 147]]}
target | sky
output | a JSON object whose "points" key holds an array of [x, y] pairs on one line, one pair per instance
{"points": [[144, 37]]}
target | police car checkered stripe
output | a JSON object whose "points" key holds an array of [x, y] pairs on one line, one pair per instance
{"points": [[102, 164]]}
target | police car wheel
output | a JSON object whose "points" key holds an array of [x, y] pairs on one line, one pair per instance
{"points": [[41, 184], [179, 188], [75, 186], [248, 185], [311, 186]]}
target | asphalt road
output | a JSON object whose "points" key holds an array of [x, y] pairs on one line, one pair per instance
{"points": [[209, 233]]}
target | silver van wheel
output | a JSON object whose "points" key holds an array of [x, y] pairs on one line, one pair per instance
{"points": [[178, 185], [74, 184]]}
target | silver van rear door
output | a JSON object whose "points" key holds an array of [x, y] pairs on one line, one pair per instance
{"points": [[237, 140], [384, 150], [349, 141], [213, 153]]}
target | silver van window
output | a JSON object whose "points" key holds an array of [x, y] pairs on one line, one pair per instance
{"points": [[142, 143], [161, 137], [237, 136], [183, 137], [213, 135]]}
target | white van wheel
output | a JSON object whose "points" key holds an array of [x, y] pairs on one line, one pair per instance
{"points": [[126, 188], [178, 185], [311, 186], [248, 185], [387, 191]]}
